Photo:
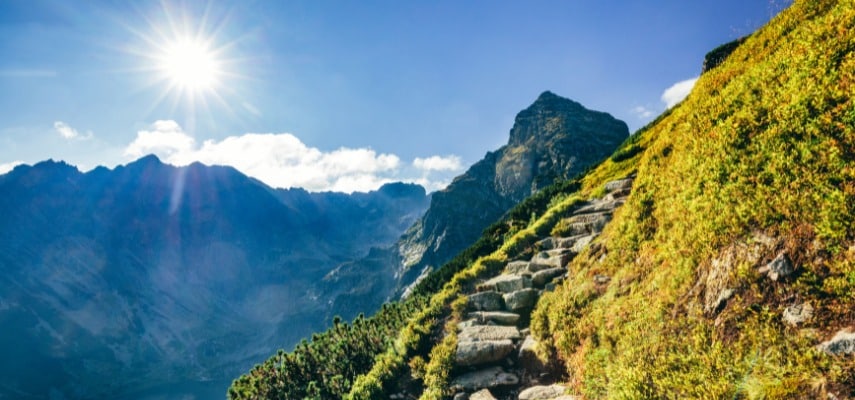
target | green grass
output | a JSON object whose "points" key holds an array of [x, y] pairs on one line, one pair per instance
{"points": [[765, 143]]}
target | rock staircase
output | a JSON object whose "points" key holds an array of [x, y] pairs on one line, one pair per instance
{"points": [[495, 356]]}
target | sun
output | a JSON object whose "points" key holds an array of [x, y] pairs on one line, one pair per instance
{"points": [[190, 64]]}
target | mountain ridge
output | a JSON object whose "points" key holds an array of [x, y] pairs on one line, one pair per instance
{"points": [[159, 273]]}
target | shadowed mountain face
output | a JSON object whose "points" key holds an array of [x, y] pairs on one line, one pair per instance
{"points": [[554, 138], [118, 282]]}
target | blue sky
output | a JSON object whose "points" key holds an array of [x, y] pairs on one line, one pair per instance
{"points": [[336, 95]]}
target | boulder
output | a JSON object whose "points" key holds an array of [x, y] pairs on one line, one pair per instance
{"points": [[797, 314], [521, 299], [482, 352], [841, 344], [488, 332], [597, 206], [542, 392], [619, 184], [461, 396], [496, 317], [541, 278], [506, 283], [778, 268], [601, 279], [486, 301], [483, 379], [482, 394]]}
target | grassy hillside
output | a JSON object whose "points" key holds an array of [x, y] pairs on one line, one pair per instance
{"points": [[755, 165]]}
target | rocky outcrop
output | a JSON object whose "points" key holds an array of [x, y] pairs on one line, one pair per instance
{"points": [[554, 138], [490, 342]]}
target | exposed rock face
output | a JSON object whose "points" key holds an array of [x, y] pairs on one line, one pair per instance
{"points": [[156, 275], [553, 138], [488, 332], [486, 301]]}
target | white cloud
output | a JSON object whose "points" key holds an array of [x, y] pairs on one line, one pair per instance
{"points": [[281, 159], [438, 163], [166, 139], [677, 92], [67, 132], [642, 112], [6, 167]]}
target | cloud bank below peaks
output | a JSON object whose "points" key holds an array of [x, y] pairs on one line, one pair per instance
{"points": [[282, 160]]}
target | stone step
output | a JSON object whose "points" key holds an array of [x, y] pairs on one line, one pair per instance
{"points": [[583, 242], [470, 353], [496, 317], [505, 283], [608, 203], [521, 300], [526, 267], [483, 394], [552, 243], [619, 184], [486, 301], [484, 379], [540, 278], [551, 392], [487, 333], [551, 259]]}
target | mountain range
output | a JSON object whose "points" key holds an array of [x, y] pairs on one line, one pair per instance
{"points": [[156, 275]]}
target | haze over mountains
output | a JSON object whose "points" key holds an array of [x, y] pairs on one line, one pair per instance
{"points": [[157, 275]]}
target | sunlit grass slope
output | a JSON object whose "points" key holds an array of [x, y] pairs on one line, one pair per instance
{"points": [[758, 161]]}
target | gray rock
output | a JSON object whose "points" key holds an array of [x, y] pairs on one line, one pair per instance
{"points": [[483, 379], [619, 184], [516, 267], [482, 352], [461, 396], [488, 332], [469, 322], [506, 283], [542, 392], [601, 279], [545, 244], [497, 317], [521, 299], [551, 259], [606, 204], [486, 301], [482, 394], [778, 268], [841, 344], [582, 242], [541, 278], [797, 314]]}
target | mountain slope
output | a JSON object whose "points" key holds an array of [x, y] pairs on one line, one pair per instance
{"points": [[741, 217], [158, 276], [553, 139], [727, 273]]}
